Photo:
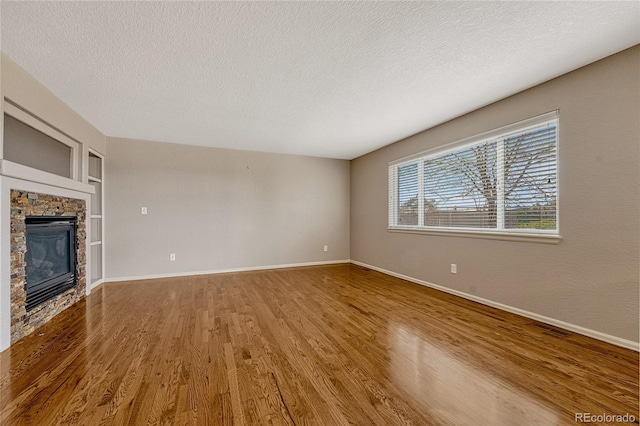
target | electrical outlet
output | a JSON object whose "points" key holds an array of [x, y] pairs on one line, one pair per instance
{"points": [[144, 210], [326, 248], [172, 256], [454, 268]]}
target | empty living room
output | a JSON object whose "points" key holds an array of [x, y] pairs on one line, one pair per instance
{"points": [[319, 213]]}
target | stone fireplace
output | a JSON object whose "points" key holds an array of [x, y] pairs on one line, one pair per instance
{"points": [[29, 206]]}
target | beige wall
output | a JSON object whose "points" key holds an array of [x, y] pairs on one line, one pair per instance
{"points": [[23, 90], [220, 209], [591, 279]]}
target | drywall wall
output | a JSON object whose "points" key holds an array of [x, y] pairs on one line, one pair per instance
{"points": [[590, 279], [23, 90], [220, 209]]}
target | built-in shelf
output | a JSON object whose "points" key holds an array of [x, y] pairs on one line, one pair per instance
{"points": [[95, 179], [96, 262]]}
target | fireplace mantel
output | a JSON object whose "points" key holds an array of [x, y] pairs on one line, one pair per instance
{"points": [[18, 171]]}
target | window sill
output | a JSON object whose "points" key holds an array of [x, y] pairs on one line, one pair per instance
{"points": [[488, 235]]}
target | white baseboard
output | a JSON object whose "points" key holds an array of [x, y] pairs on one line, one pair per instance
{"points": [[571, 327], [223, 271]]}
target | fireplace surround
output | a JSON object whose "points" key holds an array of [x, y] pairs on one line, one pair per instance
{"points": [[38, 208]]}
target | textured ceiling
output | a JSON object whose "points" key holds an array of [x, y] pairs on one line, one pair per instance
{"points": [[329, 79]]}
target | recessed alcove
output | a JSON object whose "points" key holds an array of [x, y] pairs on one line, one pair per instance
{"points": [[30, 147]]}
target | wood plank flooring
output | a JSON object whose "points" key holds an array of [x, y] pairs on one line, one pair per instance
{"points": [[330, 345]]}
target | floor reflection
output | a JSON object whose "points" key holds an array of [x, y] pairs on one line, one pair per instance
{"points": [[59, 352], [455, 390]]}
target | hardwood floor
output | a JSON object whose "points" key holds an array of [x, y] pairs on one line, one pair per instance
{"points": [[328, 345]]}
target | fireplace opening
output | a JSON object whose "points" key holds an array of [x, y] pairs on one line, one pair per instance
{"points": [[50, 258]]}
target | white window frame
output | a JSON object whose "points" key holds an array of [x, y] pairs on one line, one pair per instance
{"points": [[499, 134]]}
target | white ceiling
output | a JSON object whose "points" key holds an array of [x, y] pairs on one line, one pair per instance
{"points": [[328, 79]]}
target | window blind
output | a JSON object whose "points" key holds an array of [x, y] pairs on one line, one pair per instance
{"points": [[505, 182]]}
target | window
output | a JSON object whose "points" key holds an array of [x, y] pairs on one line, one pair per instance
{"points": [[503, 181]]}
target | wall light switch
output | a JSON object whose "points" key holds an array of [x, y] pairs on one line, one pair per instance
{"points": [[326, 248], [172, 256], [454, 268], [144, 210]]}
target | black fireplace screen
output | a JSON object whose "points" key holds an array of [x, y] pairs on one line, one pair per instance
{"points": [[50, 258]]}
